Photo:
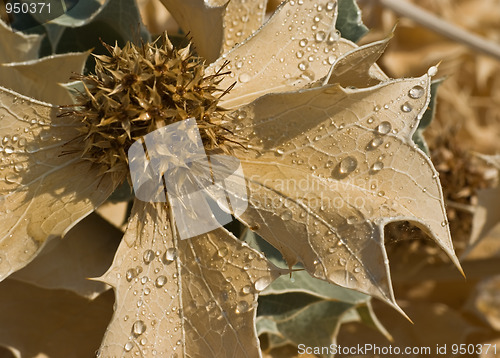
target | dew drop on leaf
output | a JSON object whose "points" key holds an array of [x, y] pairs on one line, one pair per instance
{"points": [[347, 165], [169, 256], [149, 256], [12, 178], [406, 107], [19, 167], [416, 92], [286, 215], [128, 346], [242, 307], [130, 274], [320, 36], [244, 77], [223, 251], [432, 71], [376, 167], [138, 328], [375, 143], [160, 281], [384, 128]]}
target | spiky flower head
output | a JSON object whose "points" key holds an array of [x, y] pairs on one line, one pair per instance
{"points": [[138, 89]]}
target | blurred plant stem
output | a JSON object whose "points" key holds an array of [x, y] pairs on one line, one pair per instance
{"points": [[442, 27]]}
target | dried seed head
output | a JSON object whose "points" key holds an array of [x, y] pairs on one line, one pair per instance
{"points": [[138, 89]]}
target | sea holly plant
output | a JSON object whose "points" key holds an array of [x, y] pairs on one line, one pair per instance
{"points": [[323, 138]]}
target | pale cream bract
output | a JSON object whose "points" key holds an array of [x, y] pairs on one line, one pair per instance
{"points": [[324, 139]]}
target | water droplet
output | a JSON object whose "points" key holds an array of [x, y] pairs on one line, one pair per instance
{"points": [[370, 120], [130, 274], [19, 167], [286, 215], [375, 143], [280, 151], [432, 71], [138, 328], [223, 251], [317, 18], [244, 77], [352, 220], [406, 107], [262, 283], [331, 5], [342, 262], [143, 341], [169, 256], [148, 257], [242, 307], [128, 346], [320, 36], [416, 92], [246, 290], [242, 114], [348, 164], [32, 148], [160, 281], [357, 270], [384, 127], [345, 167], [303, 66], [12, 178], [308, 75], [9, 150], [299, 54], [381, 193], [239, 64], [332, 59], [376, 167], [444, 223], [144, 280], [303, 43]]}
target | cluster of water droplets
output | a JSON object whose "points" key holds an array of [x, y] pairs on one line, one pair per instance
{"points": [[242, 24], [381, 129], [27, 133], [148, 274], [153, 269], [307, 57]]}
